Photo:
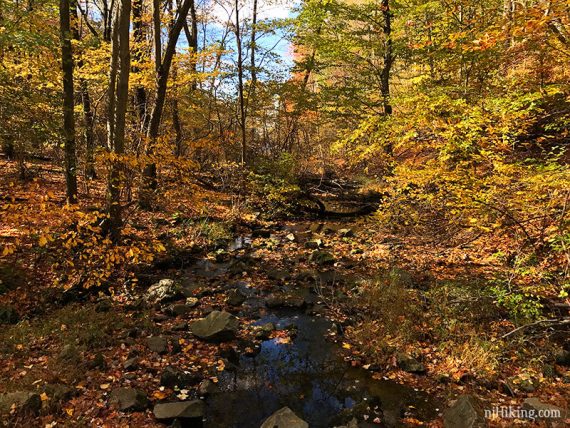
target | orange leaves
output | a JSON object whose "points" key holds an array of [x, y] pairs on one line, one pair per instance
{"points": [[160, 394]]}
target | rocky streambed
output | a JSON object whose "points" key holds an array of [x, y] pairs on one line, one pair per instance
{"points": [[297, 371]]}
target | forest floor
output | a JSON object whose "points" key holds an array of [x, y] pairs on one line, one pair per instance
{"points": [[337, 319]]}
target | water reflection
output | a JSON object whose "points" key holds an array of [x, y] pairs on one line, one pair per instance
{"points": [[310, 377]]}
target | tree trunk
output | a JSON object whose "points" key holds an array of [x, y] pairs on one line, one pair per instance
{"points": [[119, 93], [176, 123], [68, 104], [163, 70], [253, 47], [89, 123], [252, 107], [242, 115], [388, 62], [388, 58], [138, 55], [88, 117], [192, 37]]}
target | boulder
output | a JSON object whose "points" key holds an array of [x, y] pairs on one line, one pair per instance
{"points": [[129, 399], [236, 297], [563, 358], [265, 331], [238, 268], [172, 377], [158, 344], [521, 383], [322, 258], [70, 354], [193, 292], [104, 305], [184, 410], [192, 301], [409, 364], [284, 418], [466, 412], [548, 411], [312, 245], [261, 233], [179, 309], [131, 364], [22, 401], [58, 392], [8, 315], [284, 300], [158, 318], [217, 326], [165, 290], [180, 326], [353, 423], [207, 387], [98, 362], [278, 274]]}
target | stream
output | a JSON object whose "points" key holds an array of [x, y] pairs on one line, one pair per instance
{"points": [[308, 374]]}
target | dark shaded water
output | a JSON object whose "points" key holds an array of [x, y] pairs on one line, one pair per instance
{"points": [[310, 376]]}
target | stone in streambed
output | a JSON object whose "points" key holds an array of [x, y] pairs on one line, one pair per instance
{"points": [[178, 310], [261, 233], [236, 297], [322, 258], [466, 412], [129, 399], [158, 344], [207, 387], [217, 326], [8, 315], [22, 401], [165, 290], [131, 364], [284, 418], [172, 377], [563, 358], [183, 410], [409, 364], [58, 392], [282, 300], [265, 331], [553, 412], [278, 275]]}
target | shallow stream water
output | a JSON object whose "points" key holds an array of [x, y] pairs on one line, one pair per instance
{"points": [[310, 376]]}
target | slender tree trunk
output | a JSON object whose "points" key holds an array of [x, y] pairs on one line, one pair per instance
{"points": [[252, 96], [176, 123], [163, 70], [138, 56], [68, 103], [253, 47], [194, 44], [242, 115], [119, 88], [108, 8], [89, 123], [192, 38], [88, 117], [388, 58], [291, 135]]}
